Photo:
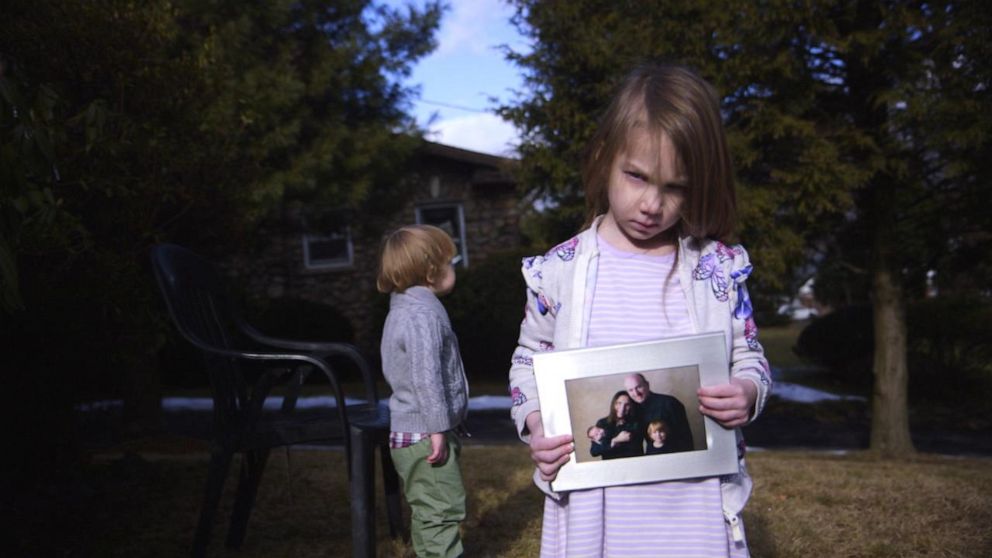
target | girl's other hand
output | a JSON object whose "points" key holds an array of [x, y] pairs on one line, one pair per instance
{"points": [[439, 448], [729, 404], [549, 454]]}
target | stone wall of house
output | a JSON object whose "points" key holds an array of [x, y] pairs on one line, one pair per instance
{"points": [[277, 271]]}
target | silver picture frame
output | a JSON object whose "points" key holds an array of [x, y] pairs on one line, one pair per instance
{"points": [[577, 386]]}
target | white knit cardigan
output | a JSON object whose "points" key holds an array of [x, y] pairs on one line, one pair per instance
{"points": [[559, 301]]}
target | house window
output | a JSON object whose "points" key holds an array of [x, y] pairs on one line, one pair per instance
{"points": [[449, 218], [332, 250]]}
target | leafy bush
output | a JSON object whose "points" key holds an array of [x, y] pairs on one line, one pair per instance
{"points": [[949, 346], [948, 349], [842, 341], [485, 309], [293, 318]]}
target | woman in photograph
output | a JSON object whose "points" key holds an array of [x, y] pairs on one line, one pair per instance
{"points": [[622, 434]]}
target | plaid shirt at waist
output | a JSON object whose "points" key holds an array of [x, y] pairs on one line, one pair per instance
{"points": [[399, 440]]}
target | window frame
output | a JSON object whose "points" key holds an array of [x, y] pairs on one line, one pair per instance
{"points": [[461, 243], [347, 262]]}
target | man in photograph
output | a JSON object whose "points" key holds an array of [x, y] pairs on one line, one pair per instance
{"points": [[658, 406]]}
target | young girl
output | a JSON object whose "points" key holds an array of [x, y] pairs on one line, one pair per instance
{"points": [[423, 367], [649, 264]]}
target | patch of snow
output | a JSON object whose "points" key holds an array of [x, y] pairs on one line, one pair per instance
{"points": [[802, 394], [783, 390], [489, 403], [205, 404]]}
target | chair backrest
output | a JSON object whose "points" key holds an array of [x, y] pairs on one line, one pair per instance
{"points": [[195, 295], [204, 314]]}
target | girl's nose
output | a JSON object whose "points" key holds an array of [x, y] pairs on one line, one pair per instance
{"points": [[652, 201]]}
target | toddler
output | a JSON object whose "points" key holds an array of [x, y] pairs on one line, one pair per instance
{"points": [[423, 367]]}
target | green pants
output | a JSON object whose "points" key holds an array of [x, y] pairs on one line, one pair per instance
{"points": [[436, 497]]}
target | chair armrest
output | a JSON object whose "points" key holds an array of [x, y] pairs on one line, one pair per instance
{"points": [[320, 349], [323, 347], [312, 360]]}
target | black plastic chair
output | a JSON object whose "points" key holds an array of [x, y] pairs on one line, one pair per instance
{"points": [[244, 366]]}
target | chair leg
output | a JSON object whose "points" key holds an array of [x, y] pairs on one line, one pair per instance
{"points": [[362, 483], [391, 483], [252, 466], [220, 462]]}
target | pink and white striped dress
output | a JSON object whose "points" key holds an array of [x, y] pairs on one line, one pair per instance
{"points": [[638, 298]]}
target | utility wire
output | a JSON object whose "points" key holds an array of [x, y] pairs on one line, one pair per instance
{"points": [[451, 106]]}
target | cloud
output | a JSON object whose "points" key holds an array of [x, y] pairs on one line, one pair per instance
{"points": [[486, 133], [474, 26]]}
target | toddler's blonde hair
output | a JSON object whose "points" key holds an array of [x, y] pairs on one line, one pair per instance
{"points": [[657, 425], [413, 255]]}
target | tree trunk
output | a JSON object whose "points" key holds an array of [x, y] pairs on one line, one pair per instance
{"points": [[890, 409]]}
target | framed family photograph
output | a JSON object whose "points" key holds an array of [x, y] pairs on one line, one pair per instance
{"points": [[633, 411]]}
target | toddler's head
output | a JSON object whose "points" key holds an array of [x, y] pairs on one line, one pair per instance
{"points": [[416, 255], [657, 431], [655, 101]]}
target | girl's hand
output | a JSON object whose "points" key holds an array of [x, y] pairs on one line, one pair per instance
{"points": [[549, 454], [439, 448], [729, 404]]}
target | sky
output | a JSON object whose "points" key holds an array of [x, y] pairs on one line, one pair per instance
{"points": [[458, 79]]}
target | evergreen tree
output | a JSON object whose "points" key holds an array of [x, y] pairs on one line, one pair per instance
{"points": [[859, 129], [128, 123]]}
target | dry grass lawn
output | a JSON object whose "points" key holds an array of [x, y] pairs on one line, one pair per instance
{"points": [[805, 504]]}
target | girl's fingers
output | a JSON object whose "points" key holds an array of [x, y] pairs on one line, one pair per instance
{"points": [[728, 418], [542, 443], [549, 454], [552, 455], [720, 391], [550, 470], [723, 404]]}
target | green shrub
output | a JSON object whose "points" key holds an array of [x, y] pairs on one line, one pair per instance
{"points": [[300, 319], [948, 349], [485, 309], [949, 346], [841, 341]]}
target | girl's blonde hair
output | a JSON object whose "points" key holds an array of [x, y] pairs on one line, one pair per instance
{"points": [[413, 255], [672, 100]]}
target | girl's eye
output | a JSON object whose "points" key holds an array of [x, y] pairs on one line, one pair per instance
{"points": [[676, 186], [636, 176]]}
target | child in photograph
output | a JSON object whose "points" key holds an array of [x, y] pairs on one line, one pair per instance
{"points": [[657, 435], [596, 435], [423, 367], [651, 262]]}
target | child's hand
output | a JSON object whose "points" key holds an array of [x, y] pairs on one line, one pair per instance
{"points": [[549, 454], [439, 448], [729, 404]]}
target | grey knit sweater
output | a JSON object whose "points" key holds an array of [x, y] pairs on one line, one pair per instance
{"points": [[421, 362]]}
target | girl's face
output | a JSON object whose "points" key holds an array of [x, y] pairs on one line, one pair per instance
{"points": [[644, 207], [622, 406]]}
